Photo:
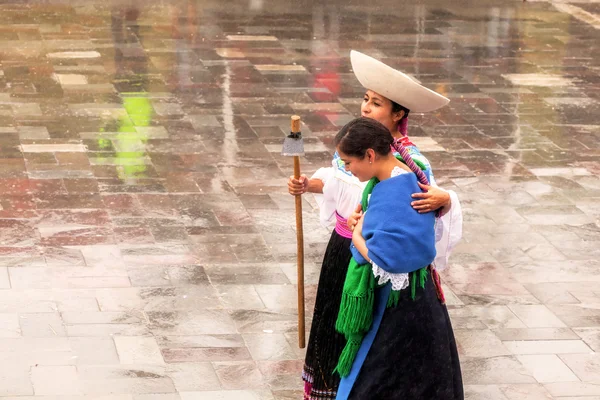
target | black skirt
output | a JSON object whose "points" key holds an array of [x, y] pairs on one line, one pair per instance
{"points": [[324, 344], [414, 355]]}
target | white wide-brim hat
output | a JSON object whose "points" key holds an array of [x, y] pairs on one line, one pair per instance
{"points": [[393, 84]]}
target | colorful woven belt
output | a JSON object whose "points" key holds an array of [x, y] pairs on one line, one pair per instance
{"points": [[341, 226]]}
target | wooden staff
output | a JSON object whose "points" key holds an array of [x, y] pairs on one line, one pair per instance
{"points": [[300, 245]]}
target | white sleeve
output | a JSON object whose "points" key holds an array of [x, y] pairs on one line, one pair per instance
{"points": [[448, 232], [324, 174], [326, 200]]}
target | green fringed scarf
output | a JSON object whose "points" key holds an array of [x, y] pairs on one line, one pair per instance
{"points": [[358, 297]]}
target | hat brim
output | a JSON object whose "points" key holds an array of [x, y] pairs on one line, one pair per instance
{"points": [[394, 85]]}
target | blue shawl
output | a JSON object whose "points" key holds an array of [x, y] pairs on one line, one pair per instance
{"points": [[399, 239]]}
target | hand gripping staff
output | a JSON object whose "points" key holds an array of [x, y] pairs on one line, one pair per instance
{"points": [[293, 146]]}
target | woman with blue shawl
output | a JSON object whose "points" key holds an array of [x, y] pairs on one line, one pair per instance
{"points": [[389, 98], [399, 339]]}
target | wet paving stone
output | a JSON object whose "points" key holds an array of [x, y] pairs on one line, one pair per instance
{"points": [[147, 240]]}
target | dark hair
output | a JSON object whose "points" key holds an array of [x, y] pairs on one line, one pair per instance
{"points": [[397, 108], [361, 134]]}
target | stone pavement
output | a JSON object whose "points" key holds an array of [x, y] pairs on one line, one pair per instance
{"points": [[147, 240]]}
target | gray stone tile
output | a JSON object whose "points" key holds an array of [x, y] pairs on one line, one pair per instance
{"points": [[188, 275], [39, 358], [278, 297], [240, 375], [181, 342], [228, 395], [9, 326], [42, 325], [287, 394], [591, 336], [4, 280], [280, 367], [547, 368], [94, 350], [153, 276], [495, 317], [555, 271], [270, 346], [536, 334], [138, 350], [495, 370], [311, 272], [248, 275], [525, 392], [168, 396], [537, 316], [119, 300], [37, 302], [189, 377], [107, 256], [240, 297], [257, 321], [33, 132], [585, 366], [579, 316], [128, 386], [479, 343], [575, 389], [206, 354], [167, 109], [32, 278], [16, 380], [70, 79], [483, 279], [200, 322], [34, 344], [79, 317], [95, 330], [76, 397], [56, 380], [551, 293], [548, 347], [483, 392], [121, 371], [451, 298]]}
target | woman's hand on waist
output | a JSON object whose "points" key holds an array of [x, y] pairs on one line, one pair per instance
{"points": [[433, 198]]}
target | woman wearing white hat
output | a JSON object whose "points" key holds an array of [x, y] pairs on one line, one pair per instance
{"points": [[338, 192]]}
